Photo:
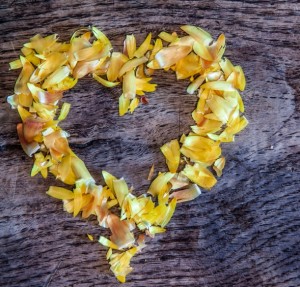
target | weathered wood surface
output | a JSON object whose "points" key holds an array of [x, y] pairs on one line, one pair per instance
{"points": [[245, 232]]}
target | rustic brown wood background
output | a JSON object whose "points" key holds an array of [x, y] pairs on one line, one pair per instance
{"points": [[245, 232]]}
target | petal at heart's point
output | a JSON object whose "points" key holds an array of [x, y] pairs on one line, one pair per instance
{"points": [[49, 67]]}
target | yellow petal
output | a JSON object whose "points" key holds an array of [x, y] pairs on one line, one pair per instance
{"points": [[123, 105], [105, 82], [23, 79], [77, 201], [120, 189], [133, 104], [207, 126], [167, 37], [16, 64], [179, 181], [218, 86], [80, 170], [64, 111], [199, 148], [193, 86], [129, 85], [90, 237], [32, 127], [155, 229], [51, 64], [95, 52], [130, 46], [59, 75], [60, 193], [197, 33], [157, 46], [188, 66], [131, 64], [24, 114], [117, 60], [220, 107], [106, 242], [65, 172], [171, 151], [40, 45], [151, 172], [169, 212], [144, 85], [101, 36], [200, 175], [67, 84], [159, 185], [109, 178], [141, 51]]}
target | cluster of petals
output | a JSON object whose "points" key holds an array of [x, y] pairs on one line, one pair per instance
{"points": [[50, 67]]}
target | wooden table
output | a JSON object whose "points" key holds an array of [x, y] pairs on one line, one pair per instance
{"points": [[244, 232]]}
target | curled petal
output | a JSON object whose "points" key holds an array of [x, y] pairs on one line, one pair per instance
{"points": [[187, 194], [32, 127], [171, 151], [101, 36], [169, 56], [219, 165], [123, 105], [198, 34], [105, 82]]}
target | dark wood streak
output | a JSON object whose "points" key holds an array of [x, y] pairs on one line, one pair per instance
{"points": [[245, 232]]}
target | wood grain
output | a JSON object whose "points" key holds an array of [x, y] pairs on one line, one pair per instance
{"points": [[245, 232]]}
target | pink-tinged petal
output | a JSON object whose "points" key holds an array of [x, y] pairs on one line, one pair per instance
{"points": [[169, 56], [29, 148], [187, 194], [32, 127], [121, 235]]}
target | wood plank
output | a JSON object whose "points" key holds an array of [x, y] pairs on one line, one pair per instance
{"points": [[245, 232]]}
